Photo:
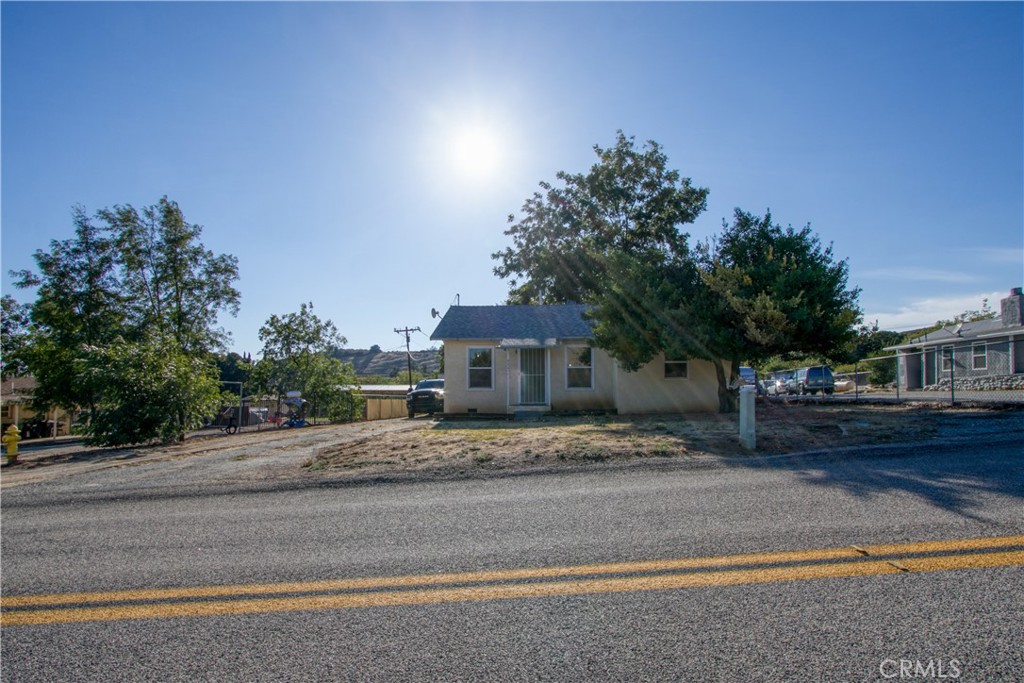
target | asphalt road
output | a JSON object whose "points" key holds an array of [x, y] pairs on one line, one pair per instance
{"points": [[504, 586]]}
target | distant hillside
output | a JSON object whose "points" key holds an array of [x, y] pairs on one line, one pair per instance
{"points": [[388, 363]]}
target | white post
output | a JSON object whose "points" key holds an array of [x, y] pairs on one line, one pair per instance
{"points": [[747, 429]]}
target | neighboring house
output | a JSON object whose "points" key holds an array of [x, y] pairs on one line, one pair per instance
{"points": [[16, 408], [519, 359], [986, 354]]}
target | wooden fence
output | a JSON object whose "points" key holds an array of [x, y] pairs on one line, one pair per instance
{"points": [[384, 407]]}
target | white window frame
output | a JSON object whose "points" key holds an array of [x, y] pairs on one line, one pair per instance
{"points": [[570, 356], [984, 356], [948, 354], [470, 352], [675, 362]]}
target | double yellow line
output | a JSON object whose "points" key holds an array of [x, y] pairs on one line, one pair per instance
{"points": [[507, 584]]}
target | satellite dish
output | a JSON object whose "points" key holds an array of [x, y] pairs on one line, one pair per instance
{"points": [[434, 313]]}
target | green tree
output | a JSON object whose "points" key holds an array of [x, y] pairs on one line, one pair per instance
{"points": [[292, 346], [769, 291], [754, 292], [14, 334], [872, 341], [629, 203], [970, 316], [169, 281], [330, 389], [127, 283], [613, 239], [233, 367], [150, 389], [78, 304]]}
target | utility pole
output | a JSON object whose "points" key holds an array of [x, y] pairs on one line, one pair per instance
{"points": [[408, 354]]}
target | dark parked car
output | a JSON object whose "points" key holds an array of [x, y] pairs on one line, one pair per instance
{"points": [[815, 379], [427, 397]]}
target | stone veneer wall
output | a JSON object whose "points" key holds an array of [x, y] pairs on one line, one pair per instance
{"points": [[997, 383]]}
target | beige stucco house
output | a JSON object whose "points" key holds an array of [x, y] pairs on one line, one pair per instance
{"points": [[506, 360], [16, 409]]}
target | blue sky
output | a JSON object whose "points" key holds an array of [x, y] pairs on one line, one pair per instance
{"points": [[323, 143]]}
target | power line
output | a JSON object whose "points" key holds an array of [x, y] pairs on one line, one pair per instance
{"points": [[408, 354]]}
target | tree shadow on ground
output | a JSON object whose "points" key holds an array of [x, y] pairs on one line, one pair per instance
{"points": [[959, 478]]}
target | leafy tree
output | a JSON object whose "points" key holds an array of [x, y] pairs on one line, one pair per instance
{"points": [[403, 376], [882, 372], [292, 346], [14, 333], [329, 388], [629, 203], [769, 291], [134, 281], [169, 281], [78, 304], [150, 389], [754, 292], [612, 239], [233, 367], [970, 315], [872, 341]]}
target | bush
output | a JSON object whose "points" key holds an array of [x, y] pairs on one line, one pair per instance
{"points": [[151, 390]]}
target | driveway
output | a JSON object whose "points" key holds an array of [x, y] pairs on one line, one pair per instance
{"points": [[204, 458]]}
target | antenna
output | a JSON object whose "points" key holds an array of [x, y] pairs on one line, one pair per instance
{"points": [[434, 313]]}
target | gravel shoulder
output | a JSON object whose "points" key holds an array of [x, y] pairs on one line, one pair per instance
{"points": [[426, 448]]}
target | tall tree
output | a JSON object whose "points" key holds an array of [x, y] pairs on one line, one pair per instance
{"points": [[986, 312], [78, 304], [754, 292], [613, 239], [169, 280], [292, 346], [629, 203], [330, 386], [14, 333], [130, 283], [769, 291]]}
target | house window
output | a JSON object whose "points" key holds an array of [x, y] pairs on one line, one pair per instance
{"points": [[579, 368], [676, 369], [947, 358], [979, 357], [5, 411], [481, 368]]}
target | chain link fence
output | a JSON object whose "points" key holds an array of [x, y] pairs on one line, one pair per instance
{"points": [[955, 374], [258, 414]]}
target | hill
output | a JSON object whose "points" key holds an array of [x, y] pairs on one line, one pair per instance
{"points": [[373, 361]]}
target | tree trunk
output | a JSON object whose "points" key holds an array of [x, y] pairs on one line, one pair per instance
{"points": [[727, 397]]}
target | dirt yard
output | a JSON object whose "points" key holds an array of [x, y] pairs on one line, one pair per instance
{"points": [[449, 448], [463, 446]]}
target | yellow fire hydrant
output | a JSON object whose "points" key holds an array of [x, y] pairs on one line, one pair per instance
{"points": [[11, 437]]}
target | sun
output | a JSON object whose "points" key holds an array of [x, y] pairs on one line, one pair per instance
{"points": [[476, 152]]}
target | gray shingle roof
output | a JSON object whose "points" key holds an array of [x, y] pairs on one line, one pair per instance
{"points": [[967, 331], [558, 321]]}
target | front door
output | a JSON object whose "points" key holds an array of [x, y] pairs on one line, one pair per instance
{"points": [[533, 377]]}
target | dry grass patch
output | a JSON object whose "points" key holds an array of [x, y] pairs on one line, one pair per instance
{"points": [[460, 446]]}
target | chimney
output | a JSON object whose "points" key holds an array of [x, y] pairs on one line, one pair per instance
{"points": [[1012, 308]]}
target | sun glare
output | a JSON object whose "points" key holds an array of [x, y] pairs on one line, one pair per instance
{"points": [[476, 152]]}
